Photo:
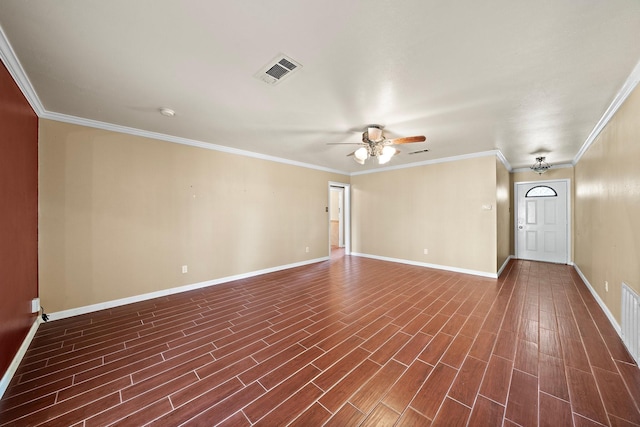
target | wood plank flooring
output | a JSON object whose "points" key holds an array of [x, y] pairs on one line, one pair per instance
{"points": [[351, 341]]}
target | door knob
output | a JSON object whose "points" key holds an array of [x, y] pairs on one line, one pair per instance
{"points": [[520, 227]]}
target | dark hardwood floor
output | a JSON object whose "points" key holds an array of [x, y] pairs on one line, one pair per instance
{"points": [[351, 341]]}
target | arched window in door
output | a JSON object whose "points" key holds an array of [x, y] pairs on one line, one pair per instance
{"points": [[541, 191]]}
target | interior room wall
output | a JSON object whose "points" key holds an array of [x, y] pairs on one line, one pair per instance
{"points": [[120, 215], [607, 210], [503, 212], [565, 172], [18, 217], [438, 207]]}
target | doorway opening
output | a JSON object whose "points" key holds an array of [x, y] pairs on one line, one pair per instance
{"points": [[339, 217]]}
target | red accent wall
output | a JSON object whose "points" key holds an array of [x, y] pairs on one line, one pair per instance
{"points": [[18, 217]]}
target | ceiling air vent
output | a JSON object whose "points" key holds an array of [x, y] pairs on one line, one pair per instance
{"points": [[277, 69]]}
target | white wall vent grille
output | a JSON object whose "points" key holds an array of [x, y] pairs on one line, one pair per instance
{"points": [[631, 321], [277, 69]]}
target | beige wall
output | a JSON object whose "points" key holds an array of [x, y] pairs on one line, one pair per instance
{"points": [[335, 233], [120, 215], [334, 206], [608, 206], [503, 212], [550, 175], [438, 207]]}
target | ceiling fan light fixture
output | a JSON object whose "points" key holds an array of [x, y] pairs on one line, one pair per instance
{"points": [[361, 154], [388, 151], [386, 154], [374, 144], [383, 159], [540, 166]]}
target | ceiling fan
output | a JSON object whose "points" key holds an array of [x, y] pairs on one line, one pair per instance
{"points": [[374, 144]]}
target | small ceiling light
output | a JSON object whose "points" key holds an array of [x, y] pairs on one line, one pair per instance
{"points": [[361, 154], [540, 166], [382, 153], [167, 112], [388, 151], [383, 159], [386, 154]]}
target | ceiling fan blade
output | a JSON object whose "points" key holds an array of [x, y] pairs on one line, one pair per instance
{"points": [[406, 140]]}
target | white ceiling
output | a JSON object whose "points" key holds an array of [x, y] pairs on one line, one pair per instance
{"points": [[521, 77]]}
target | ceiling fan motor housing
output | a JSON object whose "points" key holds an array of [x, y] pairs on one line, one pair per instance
{"points": [[373, 134], [375, 142]]}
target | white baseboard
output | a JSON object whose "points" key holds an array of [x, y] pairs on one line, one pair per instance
{"points": [[13, 367], [601, 303], [504, 265], [143, 297], [425, 264]]}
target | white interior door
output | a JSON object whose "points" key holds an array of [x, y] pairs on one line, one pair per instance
{"points": [[542, 226]]}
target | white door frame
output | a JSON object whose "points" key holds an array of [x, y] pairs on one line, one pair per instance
{"points": [[515, 213], [339, 196], [341, 218], [346, 215]]}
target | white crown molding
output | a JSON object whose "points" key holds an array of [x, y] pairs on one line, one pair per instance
{"points": [[195, 143], [144, 297], [10, 60], [14, 67], [12, 63], [436, 161], [622, 95], [504, 160], [560, 166], [425, 264], [179, 140]]}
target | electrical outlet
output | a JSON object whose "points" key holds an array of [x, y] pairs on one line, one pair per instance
{"points": [[185, 269], [35, 305], [606, 286], [306, 249], [426, 251]]}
